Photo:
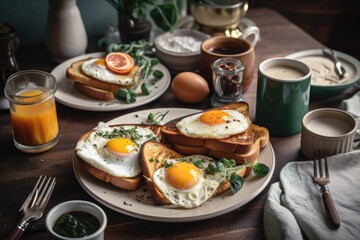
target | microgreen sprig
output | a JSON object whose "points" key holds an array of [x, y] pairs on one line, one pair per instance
{"points": [[156, 118]]}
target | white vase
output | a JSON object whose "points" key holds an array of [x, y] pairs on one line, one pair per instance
{"points": [[65, 35]]}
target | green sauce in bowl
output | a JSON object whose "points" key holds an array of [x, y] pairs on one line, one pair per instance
{"points": [[76, 224]]}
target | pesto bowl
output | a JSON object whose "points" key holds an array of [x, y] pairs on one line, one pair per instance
{"points": [[76, 206]]}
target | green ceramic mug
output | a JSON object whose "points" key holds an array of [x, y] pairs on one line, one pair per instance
{"points": [[283, 93]]}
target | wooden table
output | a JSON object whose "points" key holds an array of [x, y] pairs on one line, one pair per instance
{"points": [[18, 171]]}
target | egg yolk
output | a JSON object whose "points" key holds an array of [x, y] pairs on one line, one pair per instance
{"points": [[101, 62], [120, 145], [183, 175], [214, 117]]}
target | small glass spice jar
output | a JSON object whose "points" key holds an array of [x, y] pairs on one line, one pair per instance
{"points": [[8, 64], [227, 81]]}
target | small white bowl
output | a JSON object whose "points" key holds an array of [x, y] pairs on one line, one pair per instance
{"points": [[178, 62], [77, 206], [327, 131]]}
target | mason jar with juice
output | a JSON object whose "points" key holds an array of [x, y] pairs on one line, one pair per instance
{"points": [[33, 110]]}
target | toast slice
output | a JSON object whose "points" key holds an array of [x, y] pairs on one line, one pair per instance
{"points": [[239, 143], [94, 93], [260, 136], [153, 156], [126, 183], [75, 73]]}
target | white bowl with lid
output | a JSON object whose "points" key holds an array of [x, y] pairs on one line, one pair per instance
{"points": [[327, 131], [179, 50]]}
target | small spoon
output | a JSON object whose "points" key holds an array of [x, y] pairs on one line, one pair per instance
{"points": [[339, 68]]}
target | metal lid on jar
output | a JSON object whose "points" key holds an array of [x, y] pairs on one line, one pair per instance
{"points": [[7, 32]]}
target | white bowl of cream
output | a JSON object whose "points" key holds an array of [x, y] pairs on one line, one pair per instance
{"points": [[327, 131]]}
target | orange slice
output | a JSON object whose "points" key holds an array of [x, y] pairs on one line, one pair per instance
{"points": [[119, 62]]}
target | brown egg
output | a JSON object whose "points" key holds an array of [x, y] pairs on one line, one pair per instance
{"points": [[190, 87]]}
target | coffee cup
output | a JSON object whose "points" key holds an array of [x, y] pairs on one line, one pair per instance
{"points": [[215, 48], [283, 94]]}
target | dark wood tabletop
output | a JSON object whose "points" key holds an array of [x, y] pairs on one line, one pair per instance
{"points": [[19, 171]]}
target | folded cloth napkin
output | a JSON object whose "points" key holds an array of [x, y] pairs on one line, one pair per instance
{"points": [[352, 106], [294, 208]]}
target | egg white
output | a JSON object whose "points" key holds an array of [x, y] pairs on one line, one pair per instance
{"points": [[191, 126], [195, 196], [102, 73], [91, 150]]}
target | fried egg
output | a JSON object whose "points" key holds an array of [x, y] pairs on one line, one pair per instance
{"points": [[213, 124], [184, 181], [97, 68], [115, 150]]}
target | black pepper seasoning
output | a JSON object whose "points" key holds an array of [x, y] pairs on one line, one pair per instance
{"points": [[8, 47]]}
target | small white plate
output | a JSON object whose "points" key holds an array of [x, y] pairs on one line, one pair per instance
{"points": [[68, 95], [351, 65], [139, 203]]}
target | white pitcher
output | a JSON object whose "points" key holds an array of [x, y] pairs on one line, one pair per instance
{"points": [[66, 35]]}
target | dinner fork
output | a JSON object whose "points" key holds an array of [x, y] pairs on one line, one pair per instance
{"points": [[34, 205], [322, 178]]}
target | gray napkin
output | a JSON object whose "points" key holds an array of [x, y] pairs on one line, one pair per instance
{"points": [[294, 208], [352, 106]]}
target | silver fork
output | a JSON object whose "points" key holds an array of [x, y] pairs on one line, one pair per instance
{"points": [[322, 178], [34, 205]]}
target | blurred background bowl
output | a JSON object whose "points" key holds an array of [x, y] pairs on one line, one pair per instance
{"points": [[351, 65], [327, 131], [178, 62]]}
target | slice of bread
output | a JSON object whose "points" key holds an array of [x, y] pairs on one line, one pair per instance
{"points": [[127, 183], [238, 143], [260, 136], [94, 93], [153, 155], [75, 73]]}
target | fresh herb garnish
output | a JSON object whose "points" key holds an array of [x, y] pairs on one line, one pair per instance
{"points": [[229, 169], [156, 118], [126, 95], [144, 89], [167, 164], [260, 169]]}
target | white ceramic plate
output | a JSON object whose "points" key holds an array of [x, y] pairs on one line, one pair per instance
{"points": [[351, 65], [67, 94], [139, 203]]}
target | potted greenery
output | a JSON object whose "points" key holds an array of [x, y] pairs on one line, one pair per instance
{"points": [[132, 22]]}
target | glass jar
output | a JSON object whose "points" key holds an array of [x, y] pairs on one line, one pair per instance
{"points": [[8, 46], [31, 95], [227, 81]]}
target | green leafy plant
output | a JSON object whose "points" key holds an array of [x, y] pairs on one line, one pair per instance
{"points": [[164, 15]]}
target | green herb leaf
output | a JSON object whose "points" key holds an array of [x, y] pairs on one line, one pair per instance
{"points": [[121, 94], [144, 89], [236, 182], [164, 16], [158, 74], [260, 169]]}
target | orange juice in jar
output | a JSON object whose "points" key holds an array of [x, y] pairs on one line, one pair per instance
{"points": [[33, 110]]}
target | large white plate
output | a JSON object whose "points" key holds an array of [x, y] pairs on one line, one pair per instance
{"points": [[139, 203], [71, 97]]}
